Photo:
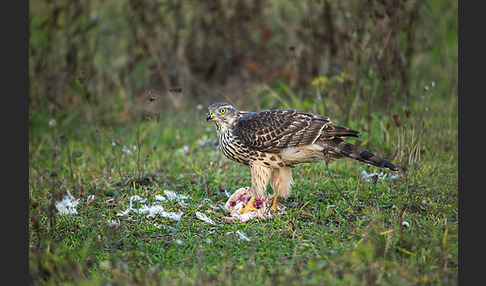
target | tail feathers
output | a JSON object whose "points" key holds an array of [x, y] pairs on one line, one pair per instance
{"points": [[341, 147], [331, 131]]}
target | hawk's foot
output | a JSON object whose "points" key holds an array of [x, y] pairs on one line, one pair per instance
{"points": [[273, 207], [249, 206]]}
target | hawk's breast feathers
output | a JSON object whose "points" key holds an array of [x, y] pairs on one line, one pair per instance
{"points": [[282, 137]]}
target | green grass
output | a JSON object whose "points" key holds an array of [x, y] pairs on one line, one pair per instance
{"points": [[320, 239], [104, 127]]}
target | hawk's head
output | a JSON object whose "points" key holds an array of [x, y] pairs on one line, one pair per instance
{"points": [[222, 114]]}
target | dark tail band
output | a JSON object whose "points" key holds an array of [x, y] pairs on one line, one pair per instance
{"points": [[346, 149]]}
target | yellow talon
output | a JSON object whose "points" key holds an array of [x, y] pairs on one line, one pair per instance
{"points": [[274, 204], [249, 206]]}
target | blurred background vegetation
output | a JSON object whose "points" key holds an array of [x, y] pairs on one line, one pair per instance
{"points": [[98, 60], [118, 89]]}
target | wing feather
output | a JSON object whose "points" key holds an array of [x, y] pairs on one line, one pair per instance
{"points": [[277, 129]]}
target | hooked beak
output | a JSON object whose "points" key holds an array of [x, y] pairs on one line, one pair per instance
{"points": [[209, 116]]}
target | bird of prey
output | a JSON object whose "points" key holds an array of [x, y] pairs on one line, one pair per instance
{"points": [[272, 141]]}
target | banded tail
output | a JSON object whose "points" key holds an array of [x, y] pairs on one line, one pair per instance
{"points": [[337, 146]]}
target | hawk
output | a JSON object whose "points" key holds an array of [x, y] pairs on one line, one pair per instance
{"points": [[272, 141]]}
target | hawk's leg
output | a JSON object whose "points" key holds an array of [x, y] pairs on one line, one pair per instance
{"points": [[281, 182], [260, 175], [273, 207]]}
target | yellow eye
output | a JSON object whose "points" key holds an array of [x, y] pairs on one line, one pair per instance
{"points": [[222, 111]]}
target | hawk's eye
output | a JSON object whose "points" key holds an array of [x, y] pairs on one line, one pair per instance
{"points": [[222, 111]]}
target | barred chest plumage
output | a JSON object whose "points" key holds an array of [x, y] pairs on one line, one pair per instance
{"points": [[232, 147]]}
